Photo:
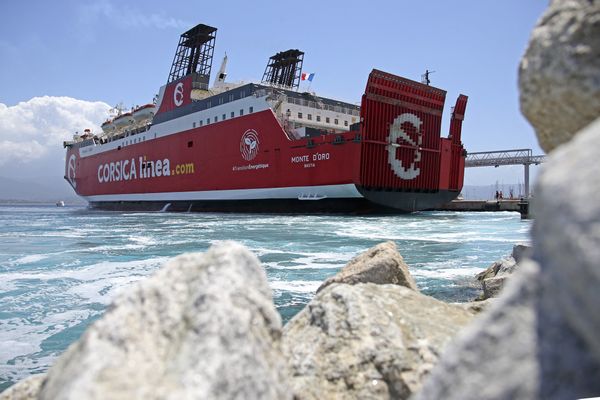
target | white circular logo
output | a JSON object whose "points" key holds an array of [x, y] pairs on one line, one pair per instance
{"points": [[249, 144], [398, 132], [178, 94], [71, 170]]}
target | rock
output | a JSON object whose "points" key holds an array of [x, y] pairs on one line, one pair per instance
{"points": [[26, 389], [539, 339], [559, 75], [521, 251], [204, 326], [504, 266], [494, 277], [475, 307], [381, 264], [521, 348], [492, 286], [367, 341], [566, 232]]}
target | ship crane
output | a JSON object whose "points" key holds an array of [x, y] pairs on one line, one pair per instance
{"points": [[222, 74]]}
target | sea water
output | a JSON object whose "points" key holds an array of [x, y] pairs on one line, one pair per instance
{"points": [[60, 267]]}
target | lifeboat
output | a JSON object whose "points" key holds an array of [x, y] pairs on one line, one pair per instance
{"points": [[123, 120], [108, 126], [144, 112]]}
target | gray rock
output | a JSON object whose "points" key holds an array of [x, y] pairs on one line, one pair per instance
{"points": [[493, 286], [559, 75], [26, 389], [476, 307], [204, 326], [495, 276], [521, 251], [566, 232], [504, 266], [521, 348], [367, 341], [380, 264]]}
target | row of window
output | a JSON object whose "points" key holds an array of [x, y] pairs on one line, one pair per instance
{"points": [[231, 97], [223, 117], [313, 104], [327, 120]]}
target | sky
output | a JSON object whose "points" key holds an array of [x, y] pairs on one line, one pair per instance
{"points": [[64, 63]]}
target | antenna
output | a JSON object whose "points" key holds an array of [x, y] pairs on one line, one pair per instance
{"points": [[425, 77]]}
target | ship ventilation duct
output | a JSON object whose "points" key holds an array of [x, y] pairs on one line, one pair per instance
{"points": [[284, 69], [194, 55]]}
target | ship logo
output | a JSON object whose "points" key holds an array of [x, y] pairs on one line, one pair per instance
{"points": [[178, 94], [71, 171], [398, 132], [249, 144]]}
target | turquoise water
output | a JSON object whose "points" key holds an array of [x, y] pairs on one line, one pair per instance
{"points": [[60, 267]]}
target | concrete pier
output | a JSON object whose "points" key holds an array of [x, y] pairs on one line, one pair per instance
{"points": [[518, 205]]}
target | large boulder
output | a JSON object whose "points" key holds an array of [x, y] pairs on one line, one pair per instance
{"points": [[27, 389], [367, 341], [559, 73], [566, 232], [204, 326], [380, 264], [521, 348]]}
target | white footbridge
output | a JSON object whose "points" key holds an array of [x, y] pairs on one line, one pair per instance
{"points": [[523, 157]]}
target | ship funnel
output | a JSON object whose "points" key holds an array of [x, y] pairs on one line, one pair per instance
{"points": [[194, 55], [284, 69]]}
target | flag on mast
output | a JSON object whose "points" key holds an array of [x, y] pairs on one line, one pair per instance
{"points": [[307, 76]]}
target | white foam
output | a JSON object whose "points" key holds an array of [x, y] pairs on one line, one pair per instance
{"points": [[30, 259], [446, 273], [91, 272], [295, 286], [19, 337]]}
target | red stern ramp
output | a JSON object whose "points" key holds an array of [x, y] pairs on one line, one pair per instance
{"points": [[405, 163]]}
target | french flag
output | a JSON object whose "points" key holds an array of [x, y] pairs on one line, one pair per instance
{"points": [[307, 77]]}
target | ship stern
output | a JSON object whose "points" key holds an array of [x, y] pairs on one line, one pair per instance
{"points": [[404, 163]]}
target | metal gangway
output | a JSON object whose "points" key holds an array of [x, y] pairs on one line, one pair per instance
{"points": [[523, 157]]}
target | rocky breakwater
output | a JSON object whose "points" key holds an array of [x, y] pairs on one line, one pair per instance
{"points": [[368, 333], [205, 327], [539, 340], [202, 327]]}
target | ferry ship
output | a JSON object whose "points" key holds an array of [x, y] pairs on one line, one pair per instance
{"points": [[269, 147]]}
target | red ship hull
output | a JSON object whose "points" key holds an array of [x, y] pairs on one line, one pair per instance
{"points": [[395, 160]]}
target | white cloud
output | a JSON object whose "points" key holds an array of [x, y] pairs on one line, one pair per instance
{"points": [[126, 17], [35, 129]]}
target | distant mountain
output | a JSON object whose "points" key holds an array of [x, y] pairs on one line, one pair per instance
{"points": [[42, 189]]}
